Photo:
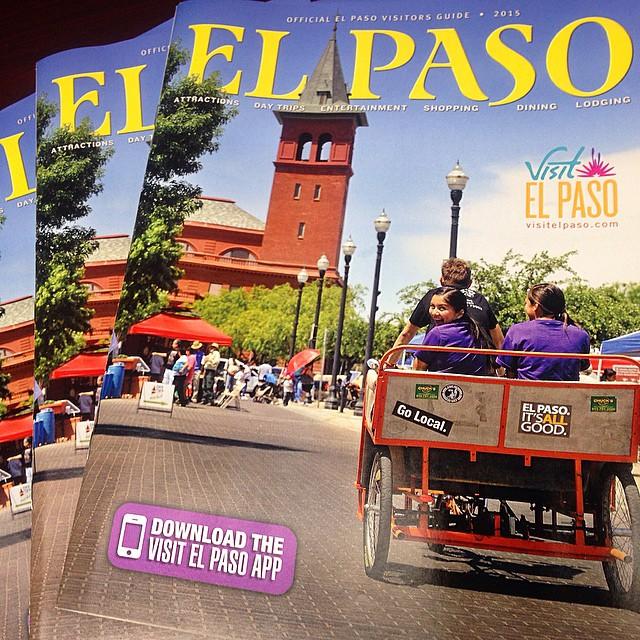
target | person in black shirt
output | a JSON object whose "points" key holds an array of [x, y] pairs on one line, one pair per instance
{"points": [[455, 273]]}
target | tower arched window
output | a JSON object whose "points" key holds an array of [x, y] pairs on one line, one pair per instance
{"points": [[304, 147], [324, 148]]}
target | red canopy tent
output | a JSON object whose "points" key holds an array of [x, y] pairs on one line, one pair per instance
{"points": [[16, 428], [170, 325], [84, 364]]}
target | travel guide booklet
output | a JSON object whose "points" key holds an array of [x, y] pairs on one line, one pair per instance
{"points": [[17, 231], [283, 129], [95, 114]]}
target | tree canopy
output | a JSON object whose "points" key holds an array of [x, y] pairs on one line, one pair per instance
{"points": [[185, 131], [261, 320], [604, 311], [68, 173]]}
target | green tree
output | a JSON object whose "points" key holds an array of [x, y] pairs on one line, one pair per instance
{"points": [[184, 133], [604, 311], [68, 176], [261, 319], [505, 284]]}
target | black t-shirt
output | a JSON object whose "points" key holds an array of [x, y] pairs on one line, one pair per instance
{"points": [[477, 307]]}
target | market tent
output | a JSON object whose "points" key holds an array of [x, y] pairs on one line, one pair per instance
{"points": [[171, 325], [84, 364], [628, 345], [16, 428]]}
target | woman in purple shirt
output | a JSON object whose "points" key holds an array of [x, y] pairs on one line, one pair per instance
{"points": [[549, 328], [453, 328]]}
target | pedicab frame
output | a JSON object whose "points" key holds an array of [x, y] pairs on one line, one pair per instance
{"points": [[486, 456]]}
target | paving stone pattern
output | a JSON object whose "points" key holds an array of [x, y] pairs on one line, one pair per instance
{"points": [[15, 547], [269, 464], [56, 487]]}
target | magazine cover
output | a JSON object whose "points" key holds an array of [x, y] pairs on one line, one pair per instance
{"points": [[17, 240], [318, 170], [95, 113]]}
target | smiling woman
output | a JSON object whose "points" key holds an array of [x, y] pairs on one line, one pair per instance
{"points": [[453, 328]]}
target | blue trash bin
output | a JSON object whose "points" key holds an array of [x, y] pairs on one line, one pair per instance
{"points": [[38, 432], [48, 426], [107, 386], [117, 370]]}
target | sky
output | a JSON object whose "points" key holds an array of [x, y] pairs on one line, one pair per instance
{"points": [[401, 159]]}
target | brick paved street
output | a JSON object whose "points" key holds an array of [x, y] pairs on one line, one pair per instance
{"points": [[14, 574], [55, 492], [278, 465]]}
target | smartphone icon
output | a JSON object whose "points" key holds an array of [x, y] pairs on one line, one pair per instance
{"points": [[131, 536]]}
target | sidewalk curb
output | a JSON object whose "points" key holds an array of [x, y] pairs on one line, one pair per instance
{"points": [[330, 416]]}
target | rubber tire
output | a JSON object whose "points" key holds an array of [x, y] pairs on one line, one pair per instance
{"points": [[436, 547], [376, 551], [621, 596]]}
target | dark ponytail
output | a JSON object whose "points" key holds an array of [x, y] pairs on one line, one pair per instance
{"points": [[550, 299]]}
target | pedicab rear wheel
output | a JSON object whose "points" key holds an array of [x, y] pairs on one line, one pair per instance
{"points": [[376, 528], [620, 501]]}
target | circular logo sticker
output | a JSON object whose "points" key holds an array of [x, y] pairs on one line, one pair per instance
{"points": [[451, 393]]}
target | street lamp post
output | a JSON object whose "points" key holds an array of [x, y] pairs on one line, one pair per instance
{"points": [[332, 401], [456, 180], [323, 265], [381, 224], [303, 276]]}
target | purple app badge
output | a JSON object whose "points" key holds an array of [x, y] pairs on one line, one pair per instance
{"points": [[205, 548]]}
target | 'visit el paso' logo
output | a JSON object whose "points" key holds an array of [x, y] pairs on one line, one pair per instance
{"points": [[564, 186]]}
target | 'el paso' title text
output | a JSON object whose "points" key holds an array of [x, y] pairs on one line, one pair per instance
{"points": [[217, 42]]}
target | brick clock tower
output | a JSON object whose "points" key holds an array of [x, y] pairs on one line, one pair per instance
{"points": [[312, 170]]}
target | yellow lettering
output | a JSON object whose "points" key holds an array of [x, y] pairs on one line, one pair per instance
{"points": [[201, 54], [69, 105], [404, 50], [610, 190], [594, 186], [578, 201], [457, 61], [620, 56], [531, 197], [133, 100], [15, 162], [522, 71], [564, 195], [268, 65]]}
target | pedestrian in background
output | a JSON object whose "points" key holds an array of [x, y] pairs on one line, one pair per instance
{"points": [[287, 387], [157, 366], [210, 366]]}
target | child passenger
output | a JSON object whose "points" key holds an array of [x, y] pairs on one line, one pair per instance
{"points": [[549, 328], [453, 328]]}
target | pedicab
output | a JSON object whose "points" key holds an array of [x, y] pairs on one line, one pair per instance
{"points": [[500, 464]]}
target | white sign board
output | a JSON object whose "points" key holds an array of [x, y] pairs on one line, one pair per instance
{"points": [[156, 396], [20, 497], [84, 429]]}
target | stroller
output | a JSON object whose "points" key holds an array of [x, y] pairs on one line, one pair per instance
{"points": [[265, 391]]}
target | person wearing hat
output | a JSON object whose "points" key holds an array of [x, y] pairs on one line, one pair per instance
{"points": [[210, 366], [198, 354]]}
